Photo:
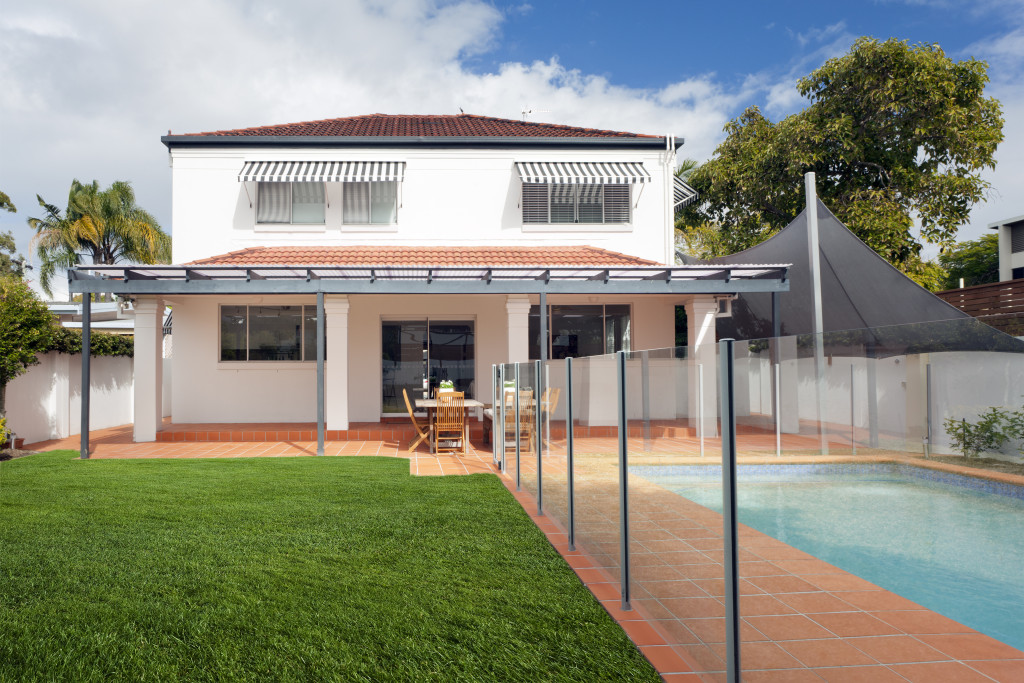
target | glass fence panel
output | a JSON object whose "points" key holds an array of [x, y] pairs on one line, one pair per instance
{"points": [[529, 407], [554, 481], [675, 528], [596, 462], [507, 423]]}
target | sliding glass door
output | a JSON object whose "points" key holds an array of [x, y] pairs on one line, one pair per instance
{"points": [[416, 355]]}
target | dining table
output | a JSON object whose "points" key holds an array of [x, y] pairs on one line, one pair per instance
{"points": [[430, 405]]}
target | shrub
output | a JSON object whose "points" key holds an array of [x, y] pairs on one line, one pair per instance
{"points": [[100, 343], [990, 432]]}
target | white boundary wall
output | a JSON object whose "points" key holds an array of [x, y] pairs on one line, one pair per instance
{"points": [[45, 402]]}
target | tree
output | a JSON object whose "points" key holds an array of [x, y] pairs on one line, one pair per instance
{"points": [[10, 263], [106, 226], [6, 204], [26, 328], [892, 132], [976, 261]]}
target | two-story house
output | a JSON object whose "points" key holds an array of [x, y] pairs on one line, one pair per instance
{"points": [[432, 244]]}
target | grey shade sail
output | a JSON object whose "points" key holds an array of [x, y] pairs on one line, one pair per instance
{"points": [[582, 173], [322, 171], [859, 289]]}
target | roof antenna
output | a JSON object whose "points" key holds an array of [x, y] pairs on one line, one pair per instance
{"points": [[460, 111], [527, 112]]}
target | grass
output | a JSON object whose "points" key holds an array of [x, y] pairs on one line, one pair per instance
{"points": [[283, 569]]}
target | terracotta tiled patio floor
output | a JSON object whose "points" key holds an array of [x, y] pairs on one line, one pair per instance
{"points": [[803, 619]]}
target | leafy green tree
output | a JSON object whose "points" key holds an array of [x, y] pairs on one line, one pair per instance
{"points": [[6, 204], [26, 328], [10, 262], [976, 261], [106, 226], [892, 131]]}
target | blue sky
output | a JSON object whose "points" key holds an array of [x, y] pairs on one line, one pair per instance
{"points": [[88, 88]]}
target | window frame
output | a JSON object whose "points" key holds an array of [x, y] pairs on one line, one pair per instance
{"points": [[247, 361], [370, 224], [277, 225], [604, 325], [576, 223]]}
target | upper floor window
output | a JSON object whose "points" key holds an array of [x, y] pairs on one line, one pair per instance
{"points": [[583, 203], [302, 203], [370, 202]]}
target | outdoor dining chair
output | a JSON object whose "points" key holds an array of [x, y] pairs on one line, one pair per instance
{"points": [[450, 423], [422, 430]]}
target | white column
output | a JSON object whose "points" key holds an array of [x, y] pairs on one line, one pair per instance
{"points": [[336, 364], [700, 337], [518, 308], [148, 368], [1005, 253]]}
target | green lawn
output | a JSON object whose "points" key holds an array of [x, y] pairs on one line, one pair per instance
{"points": [[283, 569]]}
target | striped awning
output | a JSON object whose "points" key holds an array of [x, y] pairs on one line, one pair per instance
{"points": [[322, 171], [581, 173], [683, 194]]}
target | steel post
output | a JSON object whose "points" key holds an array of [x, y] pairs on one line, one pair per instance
{"points": [[620, 358], [320, 373], [86, 388], [731, 564], [569, 453], [519, 479]]}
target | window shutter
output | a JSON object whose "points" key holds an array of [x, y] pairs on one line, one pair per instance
{"points": [[308, 203], [355, 201], [272, 203], [535, 203], [1017, 238], [616, 203], [590, 204], [384, 202]]}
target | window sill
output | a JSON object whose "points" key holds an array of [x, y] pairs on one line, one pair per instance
{"points": [[291, 227], [369, 227], [266, 365], [577, 227]]}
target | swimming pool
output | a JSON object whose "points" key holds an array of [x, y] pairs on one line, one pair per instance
{"points": [[954, 544]]}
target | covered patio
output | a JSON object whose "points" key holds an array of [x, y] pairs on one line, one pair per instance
{"points": [[331, 287]]}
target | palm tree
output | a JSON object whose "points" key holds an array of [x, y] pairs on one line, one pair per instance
{"points": [[104, 225]]}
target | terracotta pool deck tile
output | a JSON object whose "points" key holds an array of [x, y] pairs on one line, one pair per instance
{"points": [[830, 652], [1002, 670], [878, 601], [803, 567], [788, 627], [695, 608], [897, 649], [712, 631], [970, 646], [854, 624], [665, 659], [783, 584], [641, 633], [765, 655], [812, 603], [860, 674], [781, 676], [939, 672], [839, 582], [764, 605], [921, 621]]}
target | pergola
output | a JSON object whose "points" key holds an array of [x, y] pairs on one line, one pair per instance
{"points": [[320, 280]]}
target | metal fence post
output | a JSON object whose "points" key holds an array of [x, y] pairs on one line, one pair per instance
{"points": [[569, 452], [778, 411], [620, 358], [645, 384], [494, 413], [700, 406], [731, 565], [320, 427], [928, 410], [853, 415], [537, 418], [86, 381], [519, 481], [504, 417]]}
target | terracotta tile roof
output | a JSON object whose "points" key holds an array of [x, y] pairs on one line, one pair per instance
{"points": [[403, 125], [424, 256]]}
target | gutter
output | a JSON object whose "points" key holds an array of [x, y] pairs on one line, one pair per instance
{"points": [[436, 141]]}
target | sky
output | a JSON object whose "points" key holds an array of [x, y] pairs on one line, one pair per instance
{"points": [[88, 88]]}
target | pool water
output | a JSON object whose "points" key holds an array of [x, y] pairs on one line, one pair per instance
{"points": [[945, 545]]}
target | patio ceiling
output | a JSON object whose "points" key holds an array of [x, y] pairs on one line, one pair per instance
{"points": [[333, 279]]}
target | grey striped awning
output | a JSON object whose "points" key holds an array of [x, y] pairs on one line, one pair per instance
{"points": [[683, 194], [581, 173], [322, 171]]}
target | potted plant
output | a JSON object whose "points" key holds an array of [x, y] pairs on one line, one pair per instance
{"points": [[446, 385]]}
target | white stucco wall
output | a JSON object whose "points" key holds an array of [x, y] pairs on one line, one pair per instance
{"points": [[206, 390], [45, 402], [467, 197]]}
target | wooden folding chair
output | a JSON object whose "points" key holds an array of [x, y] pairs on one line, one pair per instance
{"points": [[527, 419], [548, 403], [423, 430], [450, 422]]}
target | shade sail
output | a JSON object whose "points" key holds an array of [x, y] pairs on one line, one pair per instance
{"points": [[322, 171], [582, 173]]}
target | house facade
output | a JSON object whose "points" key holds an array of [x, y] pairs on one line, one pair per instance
{"points": [[434, 243]]}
